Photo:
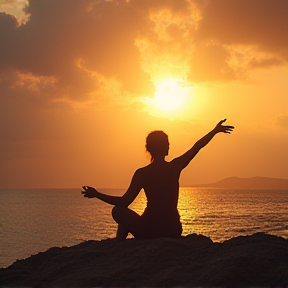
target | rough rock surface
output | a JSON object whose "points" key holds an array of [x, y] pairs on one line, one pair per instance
{"points": [[258, 260]]}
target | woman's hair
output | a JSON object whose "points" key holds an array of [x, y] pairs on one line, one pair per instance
{"points": [[156, 143]]}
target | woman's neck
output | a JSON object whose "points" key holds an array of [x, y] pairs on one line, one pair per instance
{"points": [[159, 160]]}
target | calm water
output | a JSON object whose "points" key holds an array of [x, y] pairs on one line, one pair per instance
{"points": [[35, 220]]}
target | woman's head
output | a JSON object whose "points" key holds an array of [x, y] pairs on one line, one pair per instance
{"points": [[157, 144]]}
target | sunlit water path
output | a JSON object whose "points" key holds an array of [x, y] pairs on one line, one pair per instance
{"points": [[35, 220]]}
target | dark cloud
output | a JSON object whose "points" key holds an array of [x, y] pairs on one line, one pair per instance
{"points": [[60, 32], [262, 23], [235, 37], [8, 23]]}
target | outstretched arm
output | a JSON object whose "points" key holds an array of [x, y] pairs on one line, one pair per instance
{"points": [[185, 159], [124, 200]]}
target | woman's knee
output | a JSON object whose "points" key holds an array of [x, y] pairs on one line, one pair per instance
{"points": [[116, 212], [120, 214]]}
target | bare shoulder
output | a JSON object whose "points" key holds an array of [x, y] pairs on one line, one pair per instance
{"points": [[145, 170], [142, 170]]}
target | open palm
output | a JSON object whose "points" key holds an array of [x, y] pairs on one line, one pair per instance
{"points": [[222, 128]]}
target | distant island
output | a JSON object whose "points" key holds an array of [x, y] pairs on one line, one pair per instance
{"points": [[248, 183]]}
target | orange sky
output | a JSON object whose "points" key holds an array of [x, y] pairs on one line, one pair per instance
{"points": [[79, 78]]}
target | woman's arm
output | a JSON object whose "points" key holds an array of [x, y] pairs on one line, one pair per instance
{"points": [[125, 200], [185, 159]]}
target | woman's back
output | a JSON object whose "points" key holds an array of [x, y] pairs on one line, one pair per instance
{"points": [[160, 181]]}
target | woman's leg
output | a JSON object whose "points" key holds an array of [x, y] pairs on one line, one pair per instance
{"points": [[128, 221], [121, 233]]}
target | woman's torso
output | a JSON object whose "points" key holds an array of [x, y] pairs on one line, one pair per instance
{"points": [[161, 186]]}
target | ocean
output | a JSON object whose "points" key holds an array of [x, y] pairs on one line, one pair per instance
{"points": [[33, 220]]}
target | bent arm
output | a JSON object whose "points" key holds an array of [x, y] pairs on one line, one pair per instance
{"points": [[91, 192], [125, 200], [185, 159]]}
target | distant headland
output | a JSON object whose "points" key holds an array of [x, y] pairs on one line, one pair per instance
{"points": [[248, 183]]}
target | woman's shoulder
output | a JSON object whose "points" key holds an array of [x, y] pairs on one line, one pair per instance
{"points": [[148, 169], [142, 170]]}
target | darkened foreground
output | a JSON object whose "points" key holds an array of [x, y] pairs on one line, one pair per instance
{"points": [[259, 260]]}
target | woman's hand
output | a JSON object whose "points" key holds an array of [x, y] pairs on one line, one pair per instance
{"points": [[221, 128], [89, 192]]}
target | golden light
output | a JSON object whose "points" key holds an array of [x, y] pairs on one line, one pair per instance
{"points": [[170, 95], [174, 98]]}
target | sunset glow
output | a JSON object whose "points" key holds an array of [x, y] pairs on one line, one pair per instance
{"points": [[170, 95], [173, 98], [82, 83]]}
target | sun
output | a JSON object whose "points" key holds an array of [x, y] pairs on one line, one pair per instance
{"points": [[174, 98], [170, 94]]}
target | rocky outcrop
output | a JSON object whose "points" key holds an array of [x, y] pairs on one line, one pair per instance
{"points": [[256, 260]]}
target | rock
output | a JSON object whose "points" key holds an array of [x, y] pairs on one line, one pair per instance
{"points": [[256, 260]]}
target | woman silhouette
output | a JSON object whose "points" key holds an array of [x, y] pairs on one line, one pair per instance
{"points": [[160, 181]]}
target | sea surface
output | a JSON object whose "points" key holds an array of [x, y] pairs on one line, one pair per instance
{"points": [[33, 220]]}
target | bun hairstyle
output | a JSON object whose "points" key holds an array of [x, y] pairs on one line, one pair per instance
{"points": [[157, 143]]}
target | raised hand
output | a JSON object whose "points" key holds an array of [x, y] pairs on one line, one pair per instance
{"points": [[89, 192], [225, 129]]}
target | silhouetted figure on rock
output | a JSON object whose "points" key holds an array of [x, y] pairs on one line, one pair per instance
{"points": [[160, 181]]}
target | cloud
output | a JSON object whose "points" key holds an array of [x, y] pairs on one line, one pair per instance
{"points": [[16, 8], [60, 32], [234, 37], [259, 23], [134, 42]]}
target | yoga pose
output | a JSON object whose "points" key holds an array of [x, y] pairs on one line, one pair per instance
{"points": [[160, 181]]}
